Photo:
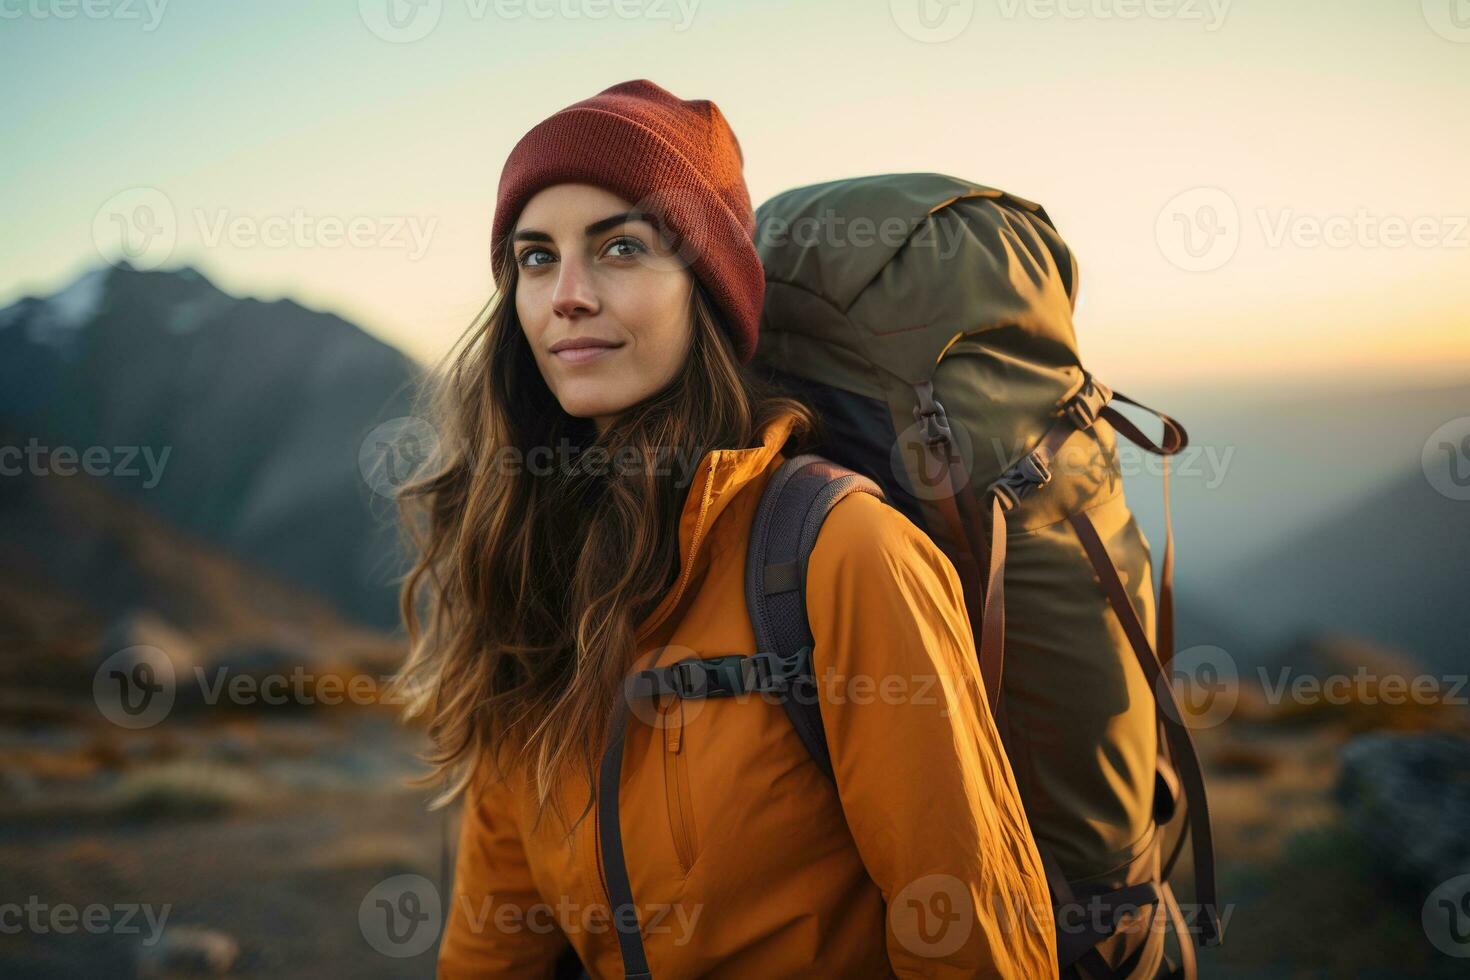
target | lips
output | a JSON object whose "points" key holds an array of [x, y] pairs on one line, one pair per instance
{"points": [[579, 349], [577, 355]]}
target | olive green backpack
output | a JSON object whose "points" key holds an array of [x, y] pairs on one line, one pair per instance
{"points": [[929, 322]]}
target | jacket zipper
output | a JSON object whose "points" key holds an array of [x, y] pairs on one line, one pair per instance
{"points": [[686, 851], [687, 570], [676, 786]]}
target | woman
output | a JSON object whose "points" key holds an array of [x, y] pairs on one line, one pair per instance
{"points": [[606, 447]]}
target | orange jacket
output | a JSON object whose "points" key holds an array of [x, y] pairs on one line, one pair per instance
{"points": [[744, 860]]}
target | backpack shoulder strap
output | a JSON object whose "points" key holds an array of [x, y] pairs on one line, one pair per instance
{"points": [[796, 501]]}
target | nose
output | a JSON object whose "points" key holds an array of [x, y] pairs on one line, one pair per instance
{"points": [[574, 295]]}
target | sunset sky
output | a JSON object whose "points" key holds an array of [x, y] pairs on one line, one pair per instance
{"points": [[1324, 146]]}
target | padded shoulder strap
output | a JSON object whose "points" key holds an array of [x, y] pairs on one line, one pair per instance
{"points": [[796, 501]]}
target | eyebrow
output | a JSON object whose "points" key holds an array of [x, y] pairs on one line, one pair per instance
{"points": [[601, 225], [612, 221]]}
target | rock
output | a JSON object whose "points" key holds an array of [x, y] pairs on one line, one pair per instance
{"points": [[189, 951], [1408, 796]]}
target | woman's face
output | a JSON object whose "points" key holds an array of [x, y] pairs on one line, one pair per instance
{"points": [[588, 270]]}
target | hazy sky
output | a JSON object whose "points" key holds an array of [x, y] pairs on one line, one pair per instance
{"points": [[1259, 188]]}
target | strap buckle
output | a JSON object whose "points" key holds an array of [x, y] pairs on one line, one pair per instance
{"points": [[712, 678], [1084, 407], [756, 672], [1023, 477], [930, 413], [724, 676], [769, 671]]}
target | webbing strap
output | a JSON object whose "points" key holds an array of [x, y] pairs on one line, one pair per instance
{"points": [[1033, 470], [783, 533], [725, 676], [614, 866], [962, 516], [1175, 440], [1188, 964], [992, 637], [694, 677], [1181, 744], [1076, 941]]}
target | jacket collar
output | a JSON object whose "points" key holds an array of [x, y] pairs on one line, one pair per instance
{"points": [[718, 479]]}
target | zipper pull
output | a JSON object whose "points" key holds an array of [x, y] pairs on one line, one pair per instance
{"points": [[674, 727]]}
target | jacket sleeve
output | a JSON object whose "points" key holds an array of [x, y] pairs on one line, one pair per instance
{"points": [[928, 794], [497, 924]]}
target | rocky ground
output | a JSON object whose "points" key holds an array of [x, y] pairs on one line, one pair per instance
{"points": [[259, 839]]}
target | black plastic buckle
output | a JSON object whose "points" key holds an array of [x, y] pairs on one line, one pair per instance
{"points": [[715, 677], [728, 675], [757, 672], [1025, 476]]}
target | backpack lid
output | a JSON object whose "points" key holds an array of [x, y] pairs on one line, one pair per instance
{"points": [[895, 267]]}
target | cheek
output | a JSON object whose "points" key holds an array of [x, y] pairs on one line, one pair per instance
{"points": [[658, 315], [528, 311]]}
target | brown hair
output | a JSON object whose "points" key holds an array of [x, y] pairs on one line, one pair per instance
{"points": [[534, 584]]}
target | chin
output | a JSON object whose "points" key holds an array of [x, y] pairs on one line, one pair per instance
{"points": [[591, 407]]}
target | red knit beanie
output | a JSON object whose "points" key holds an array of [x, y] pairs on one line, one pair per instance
{"points": [[673, 159]]}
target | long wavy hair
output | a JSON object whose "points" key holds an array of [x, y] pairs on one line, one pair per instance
{"points": [[534, 579]]}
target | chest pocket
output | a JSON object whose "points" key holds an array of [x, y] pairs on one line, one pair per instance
{"points": [[676, 783]]}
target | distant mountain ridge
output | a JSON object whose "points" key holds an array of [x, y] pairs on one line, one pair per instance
{"points": [[1307, 512], [261, 408], [1318, 518], [1393, 568]]}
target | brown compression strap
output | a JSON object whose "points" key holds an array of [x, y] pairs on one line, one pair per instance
{"points": [[1175, 440], [1181, 745], [1166, 581], [1034, 469], [1077, 941], [993, 609], [1188, 964]]}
